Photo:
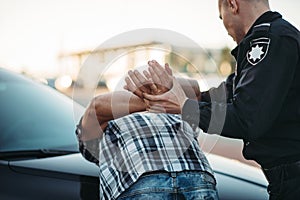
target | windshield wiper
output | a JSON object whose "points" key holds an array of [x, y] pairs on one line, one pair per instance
{"points": [[39, 153]]}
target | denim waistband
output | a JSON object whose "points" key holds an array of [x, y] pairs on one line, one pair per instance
{"points": [[209, 177]]}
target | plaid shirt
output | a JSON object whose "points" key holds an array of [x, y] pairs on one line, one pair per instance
{"points": [[143, 142]]}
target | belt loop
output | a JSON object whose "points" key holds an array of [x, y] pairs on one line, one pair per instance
{"points": [[173, 174]]}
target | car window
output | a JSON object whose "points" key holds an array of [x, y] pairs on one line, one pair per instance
{"points": [[34, 116]]}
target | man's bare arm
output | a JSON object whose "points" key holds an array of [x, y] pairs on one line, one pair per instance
{"points": [[106, 107]]}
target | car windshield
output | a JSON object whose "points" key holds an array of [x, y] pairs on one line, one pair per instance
{"points": [[35, 116]]}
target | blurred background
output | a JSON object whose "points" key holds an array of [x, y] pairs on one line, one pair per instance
{"points": [[50, 41]]}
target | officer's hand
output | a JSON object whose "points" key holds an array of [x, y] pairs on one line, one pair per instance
{"points": [[171, 101], [138, 84], [161, 77], [157, 81]]}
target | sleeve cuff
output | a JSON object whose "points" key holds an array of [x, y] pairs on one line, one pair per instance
{"points": [[89, 149]]}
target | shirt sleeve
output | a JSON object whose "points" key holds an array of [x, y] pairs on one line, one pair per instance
{"points": [[89, 149], [257, 98]]}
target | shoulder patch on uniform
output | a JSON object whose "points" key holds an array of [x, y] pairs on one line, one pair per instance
{"points": [[258, 50]]}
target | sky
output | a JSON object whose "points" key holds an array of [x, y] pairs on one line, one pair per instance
{"points": [[34, 32]]}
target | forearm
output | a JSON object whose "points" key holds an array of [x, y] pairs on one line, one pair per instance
{"points": [[106, 107], [116, 104]]}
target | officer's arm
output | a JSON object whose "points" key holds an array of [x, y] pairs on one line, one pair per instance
{"points": [[257, 99], [225, 86], [190, 87], [262, 89]]}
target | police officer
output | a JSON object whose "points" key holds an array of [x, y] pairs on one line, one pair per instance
{"points": [[260, 103]]}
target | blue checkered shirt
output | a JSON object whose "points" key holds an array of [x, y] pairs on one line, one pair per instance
{"points": [[143, 142]]}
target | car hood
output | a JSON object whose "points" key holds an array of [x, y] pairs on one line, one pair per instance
{"points": [[237, 169], [69, 164]]}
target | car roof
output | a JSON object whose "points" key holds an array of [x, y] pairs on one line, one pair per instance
{"points": [[10, 76]]}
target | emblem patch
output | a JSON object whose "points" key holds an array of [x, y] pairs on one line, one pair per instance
{"points": [[258, 50]]}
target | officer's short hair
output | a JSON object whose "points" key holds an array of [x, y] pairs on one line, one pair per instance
{"points": [[251, 0], [264, 1]]}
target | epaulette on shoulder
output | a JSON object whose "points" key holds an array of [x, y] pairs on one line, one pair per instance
{"points": [[264, 27]]}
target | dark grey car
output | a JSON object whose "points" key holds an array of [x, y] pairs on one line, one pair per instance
{"points": [[39, 156]]}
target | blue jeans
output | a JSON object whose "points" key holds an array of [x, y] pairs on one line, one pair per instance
{"points": [[161, 185]]}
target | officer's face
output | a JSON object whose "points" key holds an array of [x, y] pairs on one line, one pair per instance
{"points": [[230, 20]]}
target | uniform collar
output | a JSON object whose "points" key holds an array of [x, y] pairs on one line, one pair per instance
{"points": [[266, 17]]}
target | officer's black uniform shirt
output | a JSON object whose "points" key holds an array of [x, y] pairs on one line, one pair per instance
{"points": [[260, 103]]}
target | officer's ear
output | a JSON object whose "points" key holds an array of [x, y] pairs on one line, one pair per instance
{"points": [[233, 6]]}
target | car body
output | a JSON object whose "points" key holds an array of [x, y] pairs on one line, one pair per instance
{"points": [[39, 156]]}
